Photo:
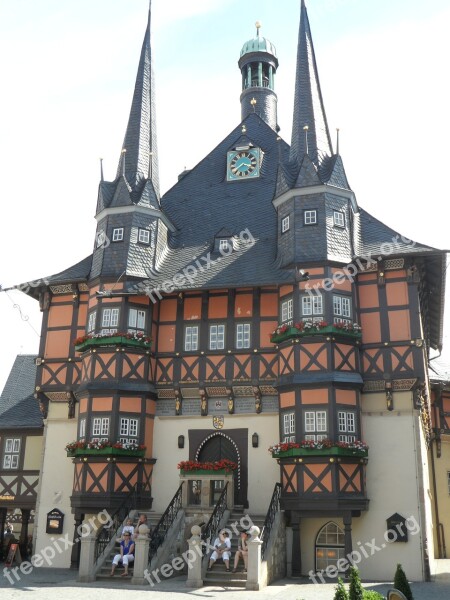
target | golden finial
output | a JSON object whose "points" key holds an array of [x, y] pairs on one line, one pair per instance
{"points": [[244, 129], [253, 103], [258, 27]]}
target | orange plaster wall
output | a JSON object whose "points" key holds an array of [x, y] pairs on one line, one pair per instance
{"points": [[218, 307], [344, 285], [102, 404], [319, 396], [395, 274], [287, 399], [83, 405], [269, 305], [192, 309], [166, 338], [368, 296], [59, 299], [141, 300], [82, 315], [168, 310], [399, 326], [132, 405], [57, 344], [148, 438], [367, 276], [397, 293], [265, 329], [371, 328], [60, 316], [243, 306], [346, 397], [286, 289]]}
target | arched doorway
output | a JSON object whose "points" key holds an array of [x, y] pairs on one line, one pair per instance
{"points": [[218, 446], [330, 546]]}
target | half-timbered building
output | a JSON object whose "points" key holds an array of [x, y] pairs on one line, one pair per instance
{"points": [[279, 310]]}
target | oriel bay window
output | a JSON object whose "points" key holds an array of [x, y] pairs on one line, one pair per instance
{"points": [[287, 311], [342, 309], [110, 320], [11, 453], [315, 423], [216, 337], [288, 427], [136, 320], [346, 426], [312, 307], [128, 431], [100, 429]]}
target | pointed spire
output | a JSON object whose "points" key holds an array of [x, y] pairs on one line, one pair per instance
{"points": [[140, 137], [309, 110]]}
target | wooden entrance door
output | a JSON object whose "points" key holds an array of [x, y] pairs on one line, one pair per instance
{"points": [[217, 448]]}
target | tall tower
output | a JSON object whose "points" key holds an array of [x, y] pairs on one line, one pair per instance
{"points": [[258, 64]]}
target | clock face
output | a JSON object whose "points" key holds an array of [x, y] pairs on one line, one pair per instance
{"points": [[243, 164]]}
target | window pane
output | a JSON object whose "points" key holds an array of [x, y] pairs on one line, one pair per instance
{"points": [[337, 305], [105, 426], [310, 421], [106, 317], [123, 426], [306, 305], [346, 307], [9, 445], [7, 461], [342, 421], [82, 428], [141, 319], [321, 420], [14, 461], [133, 427], [96, 424], [213, 337], [144, 236], [351, 422], [317, 305], [292, 423], [286, 423], [114, 317]]}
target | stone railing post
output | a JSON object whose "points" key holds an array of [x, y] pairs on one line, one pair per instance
{"points": [[254, 560], [194, 559], [86, 572], [141, 548]]}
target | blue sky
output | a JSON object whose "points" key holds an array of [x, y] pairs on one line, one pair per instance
{"points": [[68, 70]]}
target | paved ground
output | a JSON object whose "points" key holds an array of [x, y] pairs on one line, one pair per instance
{"points": [[61, 584]]}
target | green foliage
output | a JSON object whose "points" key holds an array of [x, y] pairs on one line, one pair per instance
{"points": [[341, 592], [355, 590], [372, 595], [401, 583]]}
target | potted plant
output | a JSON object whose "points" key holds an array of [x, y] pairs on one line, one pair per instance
{"points": [[219, 467], [134, 339]]}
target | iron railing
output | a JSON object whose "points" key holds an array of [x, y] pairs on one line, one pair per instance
{"points": [[107, 532], [158, 535], [214, 521], [274, 507]]}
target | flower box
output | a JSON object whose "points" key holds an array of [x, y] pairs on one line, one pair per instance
{"points": [[113, 340], [196, 472], [109, 451], [293, 332], [333, 451]]}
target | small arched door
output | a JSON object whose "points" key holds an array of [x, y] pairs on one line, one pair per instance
{"points": [[218, 447], [330, 546]]}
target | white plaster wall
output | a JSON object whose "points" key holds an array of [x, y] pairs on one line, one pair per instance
{"points": [[442, 467], [56, 482], [263, 470], [33, 453], [397, 482]]}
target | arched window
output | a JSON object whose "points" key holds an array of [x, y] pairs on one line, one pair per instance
{"points": [[330, 546]]}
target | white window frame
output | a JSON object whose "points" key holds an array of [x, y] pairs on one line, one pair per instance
{"points": [[11, 453], [342, 309], [128, 430], [136, 319], [310, 217], [224, 244], [117, 234], [92, 321], [316, 425], [191, 338], [287, 311], [339, 218], [100, 429], [285, 224], [110, 320], [243, 335], [312, 307], [82, 429], [347, 426], [144, 236], [288, 427], [101, 238], [217, 336]]}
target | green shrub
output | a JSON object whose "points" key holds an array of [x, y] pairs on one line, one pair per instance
{"points": [[341, 592], [355, 590], [401, 583], [372, 595]]}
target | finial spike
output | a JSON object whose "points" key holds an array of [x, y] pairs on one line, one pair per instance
{"points": [[337, 141], [101, 169], [124, 151], [258, 27], [305, 129]]}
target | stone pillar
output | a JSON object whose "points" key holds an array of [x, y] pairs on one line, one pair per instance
{"points": [[348, 537], [23, 540], [260, 74], [76, 548], [254, 560], [289, 551], [296, 551], [194, 579], [141, 547], [87, 556]]}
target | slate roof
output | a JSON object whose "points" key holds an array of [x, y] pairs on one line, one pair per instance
{"points": [[439, 370], [18, 406]]}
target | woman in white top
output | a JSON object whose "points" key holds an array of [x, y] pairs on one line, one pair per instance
{"points": [[222, 549]]}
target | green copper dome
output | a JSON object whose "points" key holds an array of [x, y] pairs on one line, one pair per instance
{"points": [[259, 44]]}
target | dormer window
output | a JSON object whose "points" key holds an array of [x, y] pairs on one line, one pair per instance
{"points": [[225, 245], [117, 234], [310, 217], [101, 238], [285, 224], [144, 236]]}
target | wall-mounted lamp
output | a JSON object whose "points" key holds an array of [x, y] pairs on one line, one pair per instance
{"points": [[389, 397], [181, 441], [255, 440], [304, 275]]}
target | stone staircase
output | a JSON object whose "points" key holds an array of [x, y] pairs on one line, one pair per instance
{"points": [[440, 569], [218, 576], [104, 573]]}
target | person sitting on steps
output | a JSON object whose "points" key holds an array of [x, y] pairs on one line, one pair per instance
{"points": [[222, 549], [126, 554], [241, 551]]}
